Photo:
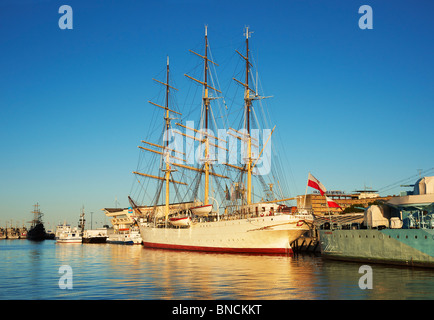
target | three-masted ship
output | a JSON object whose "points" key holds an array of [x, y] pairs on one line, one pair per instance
{"points": [[265, 227]]}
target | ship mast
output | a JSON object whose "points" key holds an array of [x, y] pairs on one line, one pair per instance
{"points": [[165, 148], [167, 119], [206, 103], [248, 108], [247, 105]]}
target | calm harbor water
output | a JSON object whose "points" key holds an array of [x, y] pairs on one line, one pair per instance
{"points": [[30, 270]]}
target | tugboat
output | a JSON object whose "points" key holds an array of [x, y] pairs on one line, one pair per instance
{"points": [[37, 230]]}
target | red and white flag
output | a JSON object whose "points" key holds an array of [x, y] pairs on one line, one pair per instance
{"points": [[332, 204], [314, 183]]}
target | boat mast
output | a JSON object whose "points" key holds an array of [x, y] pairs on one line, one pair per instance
{"points": [[165, 149], [37, 215], [248, 103], [206, 104], [246, 137], [167, 119]]}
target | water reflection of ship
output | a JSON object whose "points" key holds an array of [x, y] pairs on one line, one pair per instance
{"points": [[37, 229], [196, 275]]}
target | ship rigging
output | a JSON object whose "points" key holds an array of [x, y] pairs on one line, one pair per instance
{"points": [[208, 158]]}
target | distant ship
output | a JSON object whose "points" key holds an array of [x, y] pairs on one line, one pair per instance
{"points": [[37, 229], [95, 235], [400, 231], [264, 227], [66, 234]]}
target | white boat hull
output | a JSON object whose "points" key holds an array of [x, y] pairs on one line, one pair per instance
{"points": [[180, 222], [69, 240], [124, 239], [202, 210], [268, 235]]}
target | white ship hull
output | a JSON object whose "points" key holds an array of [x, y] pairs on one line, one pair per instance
{"points": [[70, 240], [124, 238], [202, 210], [267, 235]]}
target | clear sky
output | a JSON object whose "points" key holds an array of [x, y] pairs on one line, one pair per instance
{"points": [[354, 107]]}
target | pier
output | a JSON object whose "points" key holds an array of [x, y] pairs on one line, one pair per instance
{"points": [[309, 242], [13, 233]]}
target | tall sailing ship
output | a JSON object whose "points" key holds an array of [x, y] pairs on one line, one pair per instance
{"points": [[37, 229], [194, 221]]}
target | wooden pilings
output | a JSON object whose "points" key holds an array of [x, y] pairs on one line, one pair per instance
{"points": [[306, 244]]}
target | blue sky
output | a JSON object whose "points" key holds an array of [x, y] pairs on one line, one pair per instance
{"points": [[354, 107]]}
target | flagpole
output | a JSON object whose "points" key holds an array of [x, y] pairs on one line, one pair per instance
{"points": [[305, 194], [330, 216]]}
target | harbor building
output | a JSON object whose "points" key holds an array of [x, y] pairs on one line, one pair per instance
{"points": [[317, 203]]}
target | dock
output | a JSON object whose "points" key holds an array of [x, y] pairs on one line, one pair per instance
{"points": [[306, 244], [309, 242]]}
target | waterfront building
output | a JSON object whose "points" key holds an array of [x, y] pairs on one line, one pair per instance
{"points": [[317, 203]]}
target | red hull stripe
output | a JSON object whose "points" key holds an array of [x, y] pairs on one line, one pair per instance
{"points": [[177, 219], [218, 249]]}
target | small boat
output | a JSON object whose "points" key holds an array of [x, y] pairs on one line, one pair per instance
{"points": [[71, 236], [95, 236], [202, 210], [125, 236], [180, 221], [50, 235]]}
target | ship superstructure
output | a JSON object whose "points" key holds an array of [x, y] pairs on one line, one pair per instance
{"points": [[400, 231]]}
